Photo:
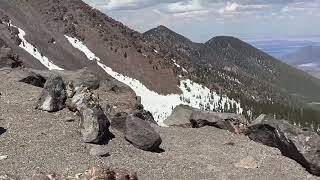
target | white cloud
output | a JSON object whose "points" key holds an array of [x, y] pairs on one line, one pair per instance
{"points": [[125, 4], [182, 7], [216, 15]]}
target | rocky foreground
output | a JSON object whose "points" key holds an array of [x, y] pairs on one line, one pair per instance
{"points": [[36, 144]]}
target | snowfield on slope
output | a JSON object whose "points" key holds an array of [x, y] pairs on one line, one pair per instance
{"points": [[33, 51], [161, 106]]}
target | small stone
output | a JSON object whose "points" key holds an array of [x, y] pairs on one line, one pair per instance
{"points": [[99, 151], [4, 157], [70, 119], [247, 163], [230, 143]]}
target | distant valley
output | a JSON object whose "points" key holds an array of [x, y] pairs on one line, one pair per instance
{"points": [[302, 54]]}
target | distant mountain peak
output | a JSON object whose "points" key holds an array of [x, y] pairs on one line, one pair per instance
{"points": [[166, 33], [162, 27], [225, 39]]}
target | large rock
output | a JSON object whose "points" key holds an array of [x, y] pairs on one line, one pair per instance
{"points": [[141, 135], [301, 145], [94, 125], [186, 116], [53, 96], [179, 116]]}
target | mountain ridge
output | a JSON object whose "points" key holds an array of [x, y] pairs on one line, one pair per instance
{"points": [[260, 78]]}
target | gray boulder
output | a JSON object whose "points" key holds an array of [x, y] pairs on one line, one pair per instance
{"points": [[94, 125], [300, 145], [141, 135], [179, 116], [53, 96], [186, 116]]}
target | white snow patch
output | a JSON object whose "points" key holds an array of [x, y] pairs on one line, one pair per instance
{"points": [[34, 51], [155, 51], [83, 48], [178, 66], [161, 106]]}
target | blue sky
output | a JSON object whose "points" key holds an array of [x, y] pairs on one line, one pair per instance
{"points": [[201, 20]]}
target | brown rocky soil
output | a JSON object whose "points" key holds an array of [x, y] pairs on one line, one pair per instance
{"points": [[44, 142]]}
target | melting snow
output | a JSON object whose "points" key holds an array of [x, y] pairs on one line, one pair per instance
{"points": [[178, 66], [161, 106], [79, 45], [34, 51]]}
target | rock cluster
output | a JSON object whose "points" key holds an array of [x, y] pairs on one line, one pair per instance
{"points": [[186, 116], [74, 90]]}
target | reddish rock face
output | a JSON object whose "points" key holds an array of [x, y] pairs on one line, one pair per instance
{"points": [[118, 47]]}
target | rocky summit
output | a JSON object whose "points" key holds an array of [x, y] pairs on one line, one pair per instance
{"points": [[84, 97]]}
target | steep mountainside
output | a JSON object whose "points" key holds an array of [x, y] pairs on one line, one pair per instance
{"points": [[231, 66], [306, 58], [47, 22], [263, 67]]}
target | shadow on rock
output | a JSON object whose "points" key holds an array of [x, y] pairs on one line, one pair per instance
{"points": [[108, 137]]}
